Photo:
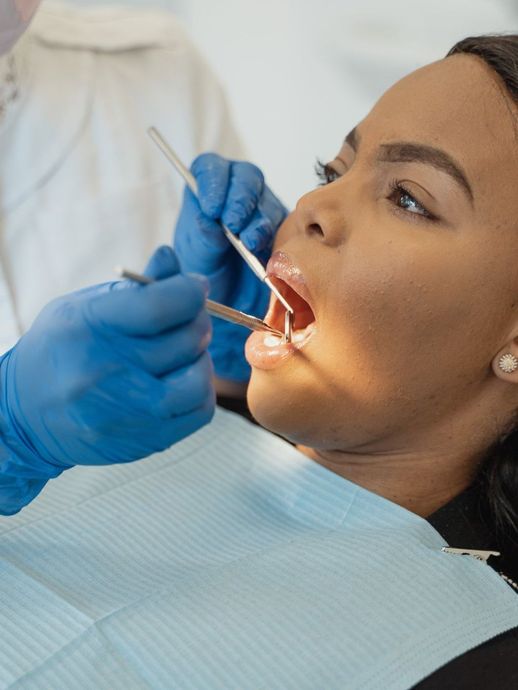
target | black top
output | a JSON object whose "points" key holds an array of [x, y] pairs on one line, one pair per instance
{"points": [[463, 524], [494, 664]]}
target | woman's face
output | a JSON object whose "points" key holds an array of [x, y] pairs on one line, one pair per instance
{"points": [[409, 261]]}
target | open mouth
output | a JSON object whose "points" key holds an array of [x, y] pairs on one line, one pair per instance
{"points": [[291, 285], [266, 351]]}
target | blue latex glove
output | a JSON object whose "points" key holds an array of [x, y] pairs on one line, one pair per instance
{"points": [[234, 192], [105, 375]]}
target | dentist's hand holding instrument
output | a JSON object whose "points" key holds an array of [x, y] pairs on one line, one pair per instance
{"points": [[105, 375], [234, 193]]}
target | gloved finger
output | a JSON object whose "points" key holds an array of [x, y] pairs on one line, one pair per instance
{"points": [[264, 224], [205, 231], [128, 395], [170, 350], [123, 427], [272, 208], [120, 399], [212, 173], [259, 234], [148, 309], [244, 192], [185, 389], [173, 430], [163, 264], [92, 290]]}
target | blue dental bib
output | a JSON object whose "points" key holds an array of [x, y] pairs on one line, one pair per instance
{"points": [[232, 562]]}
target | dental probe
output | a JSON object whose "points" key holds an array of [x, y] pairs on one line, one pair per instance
{"points": [[214, 308], [288, 327], [245, 253]]}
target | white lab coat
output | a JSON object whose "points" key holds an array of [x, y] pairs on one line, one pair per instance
{"points": [[82, 188]]}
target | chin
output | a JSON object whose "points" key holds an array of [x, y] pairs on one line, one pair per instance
{"points": [[281, 410]]}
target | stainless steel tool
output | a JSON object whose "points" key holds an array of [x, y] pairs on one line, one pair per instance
{"points": [[214, 308], [245, 253]]}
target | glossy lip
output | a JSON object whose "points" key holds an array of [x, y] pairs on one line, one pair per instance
{"points": [[258, 354], [261, 356], [281, 266]]}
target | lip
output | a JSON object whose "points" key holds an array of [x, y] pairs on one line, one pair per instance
{"points": [[259, 350], [281, 266]]}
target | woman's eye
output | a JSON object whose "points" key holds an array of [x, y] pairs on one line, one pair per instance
{"points": [[403, 199], [325, 173]]}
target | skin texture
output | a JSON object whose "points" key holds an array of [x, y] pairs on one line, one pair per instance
{"points": [[399, 390]]}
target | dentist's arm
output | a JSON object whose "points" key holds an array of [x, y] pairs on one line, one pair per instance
{"points": [[235, 192], [105, 375]]}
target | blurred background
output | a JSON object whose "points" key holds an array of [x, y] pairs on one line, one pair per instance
{"points": [[299, 74]]}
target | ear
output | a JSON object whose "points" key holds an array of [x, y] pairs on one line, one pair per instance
{"points": [[505, 362]]}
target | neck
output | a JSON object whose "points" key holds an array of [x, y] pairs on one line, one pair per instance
{"points": [[424, 467], [421, 483]]}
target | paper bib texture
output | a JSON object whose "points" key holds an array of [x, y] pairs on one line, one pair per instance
{"points": [[232, 562]]}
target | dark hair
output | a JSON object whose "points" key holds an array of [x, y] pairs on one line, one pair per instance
{"points": [[499, 469], [500, 52]]}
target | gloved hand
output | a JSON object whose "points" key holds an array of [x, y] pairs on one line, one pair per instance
{"points": [[105, 375], [234, 192]]}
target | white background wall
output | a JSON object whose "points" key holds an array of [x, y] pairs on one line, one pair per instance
{"points": [[300, 74]]}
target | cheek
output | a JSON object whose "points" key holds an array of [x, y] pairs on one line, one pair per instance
{"points": [[410, 330], [394, 323], [407, 328]]}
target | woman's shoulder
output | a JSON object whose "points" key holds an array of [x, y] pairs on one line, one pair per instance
{"points": [[466, 524], [493, 665]]}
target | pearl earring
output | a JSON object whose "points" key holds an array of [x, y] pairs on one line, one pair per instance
{"points": [[508, 363]]}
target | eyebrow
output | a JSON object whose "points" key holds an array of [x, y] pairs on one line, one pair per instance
{"points": [[409, 152]]}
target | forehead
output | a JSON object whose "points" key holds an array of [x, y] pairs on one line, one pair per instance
{"points": [[460, 105]]}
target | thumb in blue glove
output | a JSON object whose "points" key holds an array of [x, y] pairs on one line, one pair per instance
{"points": [[105, 375]]}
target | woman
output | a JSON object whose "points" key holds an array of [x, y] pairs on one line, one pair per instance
{"points": [[399, 385]]}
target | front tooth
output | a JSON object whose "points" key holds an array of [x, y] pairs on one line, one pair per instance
{"points": [[299, 336], [272, 340]]}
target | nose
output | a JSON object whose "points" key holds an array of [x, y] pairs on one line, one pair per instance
{"points": [[316, 215]]}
